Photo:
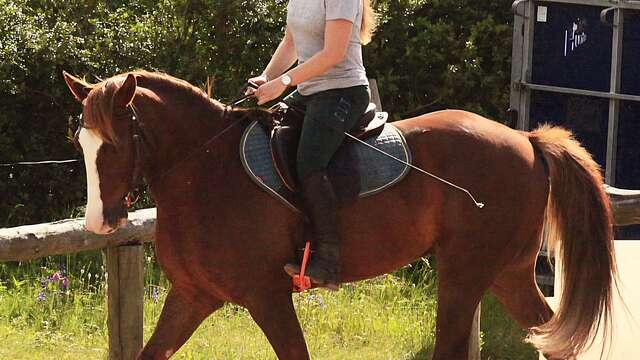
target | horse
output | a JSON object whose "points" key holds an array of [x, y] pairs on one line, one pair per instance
{"points": [[215, 228]]}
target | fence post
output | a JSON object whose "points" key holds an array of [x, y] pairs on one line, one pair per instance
{"points": [[125, 295], [474, 339]]}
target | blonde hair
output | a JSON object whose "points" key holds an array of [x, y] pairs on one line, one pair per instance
{"points": [[369, 22]]}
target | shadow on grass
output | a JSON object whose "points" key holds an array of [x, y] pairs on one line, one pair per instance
{"points": [[424, 354], [502, 338]]}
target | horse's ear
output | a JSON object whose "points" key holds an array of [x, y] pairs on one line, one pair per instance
{"points": [[79, 88], [125, 93]]}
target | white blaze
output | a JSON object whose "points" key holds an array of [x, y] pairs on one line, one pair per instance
{"points": [[94, 219]]}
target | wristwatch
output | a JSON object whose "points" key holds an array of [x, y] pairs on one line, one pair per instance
{"points": [[285, 80]]}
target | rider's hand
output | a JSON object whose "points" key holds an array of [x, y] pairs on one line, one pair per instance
{"points": [[257, 80], [270, 90]]}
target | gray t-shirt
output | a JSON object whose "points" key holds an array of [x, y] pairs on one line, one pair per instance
{"points": [[306, 20]]}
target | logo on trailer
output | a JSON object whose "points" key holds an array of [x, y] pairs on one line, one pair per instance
{"points": [[576, 36]]}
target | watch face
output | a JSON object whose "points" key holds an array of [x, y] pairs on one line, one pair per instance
{"points": [[286, 80]]}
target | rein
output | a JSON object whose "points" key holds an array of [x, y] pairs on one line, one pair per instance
{"points": [[234, 102], [139, 141], [198, 150]]}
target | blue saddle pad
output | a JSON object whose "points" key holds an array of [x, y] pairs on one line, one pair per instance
{"points": [[376, 171]]}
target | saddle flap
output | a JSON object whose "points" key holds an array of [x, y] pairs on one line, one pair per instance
{"points": [[371, 127], [368, 115], [284, 145]]}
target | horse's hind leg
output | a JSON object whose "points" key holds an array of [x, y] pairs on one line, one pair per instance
{"points": [[462, 280], [518, 292], [181, 315], [276, 316]]}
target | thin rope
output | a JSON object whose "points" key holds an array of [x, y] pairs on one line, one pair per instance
{"points": [[478, 204], [199, 149], [41, 162]]}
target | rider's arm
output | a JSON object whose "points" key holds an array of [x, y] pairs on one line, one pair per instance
{"points": [[336, 40], [283, 57], [337, 34]]}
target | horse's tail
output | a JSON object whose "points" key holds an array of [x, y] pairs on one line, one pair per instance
{"points": [[580, 231]]}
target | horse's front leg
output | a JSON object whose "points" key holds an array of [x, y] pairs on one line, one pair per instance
{"points": [[181, 315], [276, 316]]}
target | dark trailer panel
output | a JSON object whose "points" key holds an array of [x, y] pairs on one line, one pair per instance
{"points": [[576, 63]]}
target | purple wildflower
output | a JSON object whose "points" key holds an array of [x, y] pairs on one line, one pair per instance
{"points": [[62, 268], [64, 284], [41, 296], [56, 276]]}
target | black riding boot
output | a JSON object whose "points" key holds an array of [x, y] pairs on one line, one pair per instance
{"points": [[321, 207]]}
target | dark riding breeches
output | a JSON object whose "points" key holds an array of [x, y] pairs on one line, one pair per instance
{"points": [[328, 115]]}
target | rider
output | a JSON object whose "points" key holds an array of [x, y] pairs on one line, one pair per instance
{"points": [[325, 37]]}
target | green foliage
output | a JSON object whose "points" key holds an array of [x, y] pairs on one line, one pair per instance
{"points": [[427, 55], [228, 40], [431, 55]]}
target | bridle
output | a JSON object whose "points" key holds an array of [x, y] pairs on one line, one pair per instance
{"points": [[138, 140], [140, 143]]}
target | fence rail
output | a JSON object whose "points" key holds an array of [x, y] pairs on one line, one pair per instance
{"points": [[124, 254], [69, 236], [625, 204]]}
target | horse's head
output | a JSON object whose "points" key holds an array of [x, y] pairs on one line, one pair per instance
{"points": [[106, 138]]}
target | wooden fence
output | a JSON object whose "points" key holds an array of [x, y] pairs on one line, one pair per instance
{"points": [[124, 257]]}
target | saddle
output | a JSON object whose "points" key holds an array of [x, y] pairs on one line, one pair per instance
{"points": [[285, 135], [268, 151]]}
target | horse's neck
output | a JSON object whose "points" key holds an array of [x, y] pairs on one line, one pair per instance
{"points": [[179, 136]]}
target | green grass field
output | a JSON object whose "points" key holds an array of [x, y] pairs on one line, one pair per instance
{"points": [[44, 316]]}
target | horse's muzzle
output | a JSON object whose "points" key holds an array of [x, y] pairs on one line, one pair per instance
{"points": [[115, 217]]}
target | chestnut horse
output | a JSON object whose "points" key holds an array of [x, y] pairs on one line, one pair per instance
{"points": [[216, 229]]}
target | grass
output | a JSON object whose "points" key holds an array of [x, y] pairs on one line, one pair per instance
{"points": [[391, 317]]}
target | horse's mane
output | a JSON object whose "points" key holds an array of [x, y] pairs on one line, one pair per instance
{"points": [[99, 102]]}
